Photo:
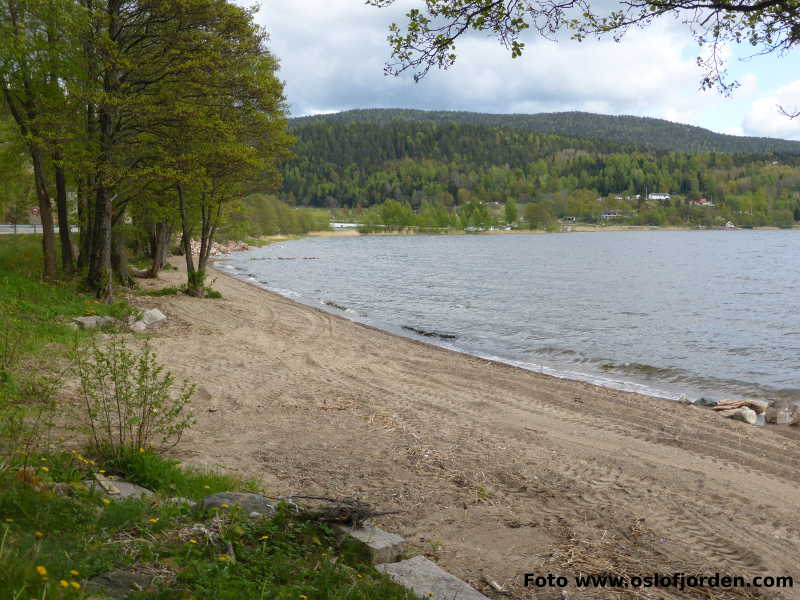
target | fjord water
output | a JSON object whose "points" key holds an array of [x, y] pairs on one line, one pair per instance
{"points": [[669, 313]]}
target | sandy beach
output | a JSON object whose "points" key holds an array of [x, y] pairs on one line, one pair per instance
{"points": [[497, 471]]}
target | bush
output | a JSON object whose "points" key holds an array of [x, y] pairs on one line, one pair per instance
{"points": [[129, 400]]}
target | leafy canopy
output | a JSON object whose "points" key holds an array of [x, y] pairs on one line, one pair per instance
{"points": [[429, 38]]}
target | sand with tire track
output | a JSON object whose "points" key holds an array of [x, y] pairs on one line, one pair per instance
{"points": [[498, 471]]}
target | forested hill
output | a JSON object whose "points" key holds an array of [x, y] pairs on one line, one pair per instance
{"points": [[638, 132], [449, 166]]}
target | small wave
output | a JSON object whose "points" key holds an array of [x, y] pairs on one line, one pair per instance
{"points": [[434, 334], [634, 368], [554, 351]]}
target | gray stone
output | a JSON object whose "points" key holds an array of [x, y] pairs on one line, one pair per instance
{"points": [[153, 316], [428, 580], [247, 503], [114, 489], [119, 583], [95, 322], [138, 326], [381, 546]]}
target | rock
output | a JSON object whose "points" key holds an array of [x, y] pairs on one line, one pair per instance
{"points": [[783, 412], [95, 322], [153, 316], [116, 489], [707, 402], [119, 583], [427, 580], [247, 503], [748, 415], [138, 326], [379, 545]]}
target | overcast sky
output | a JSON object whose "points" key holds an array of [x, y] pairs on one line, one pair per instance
{"points": [[332, 54]]}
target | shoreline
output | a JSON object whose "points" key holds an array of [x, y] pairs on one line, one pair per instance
{"points": [[498, 470]]}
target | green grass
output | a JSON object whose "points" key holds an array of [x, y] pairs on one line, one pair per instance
{"points": [[56, 533], [35, 314], [167, 291], [284, 557], [163, 475]]}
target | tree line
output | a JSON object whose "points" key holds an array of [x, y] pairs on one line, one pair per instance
{"points": [[159, 113], [358, 165], [636, 132]]}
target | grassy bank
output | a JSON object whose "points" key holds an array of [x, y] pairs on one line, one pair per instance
{"points": [[57, 533]]}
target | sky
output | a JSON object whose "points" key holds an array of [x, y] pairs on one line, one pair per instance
{"points": [[332, 55]]}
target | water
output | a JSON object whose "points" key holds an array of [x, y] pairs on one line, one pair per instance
{"points": [[666, 313]]}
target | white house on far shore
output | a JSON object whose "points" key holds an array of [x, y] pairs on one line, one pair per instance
{"points": [[662, 196]]}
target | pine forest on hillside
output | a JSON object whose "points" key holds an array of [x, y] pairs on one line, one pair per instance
{"points": [[453, 169]]}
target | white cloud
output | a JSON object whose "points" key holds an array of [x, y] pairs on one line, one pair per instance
{"points": [[332, 54], [766, 119]]}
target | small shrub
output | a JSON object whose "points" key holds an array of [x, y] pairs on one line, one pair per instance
{"points": [[131, 404], [167, 291]]}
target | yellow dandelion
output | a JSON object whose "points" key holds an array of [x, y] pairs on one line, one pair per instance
{"points": [[43, 459], [41, 570], [9, 520], [74, 573], [61, 438], [193, 541], [141, 450], [224, 505], [64, 583], [223, 557], [303, 597], [45, 469], [102, 470], [39, 534], [206, 487], [264, 537], [75, 585], [154, 521]]}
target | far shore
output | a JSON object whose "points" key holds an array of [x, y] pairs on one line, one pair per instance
{"points": [[496, 471], [579, 228]]}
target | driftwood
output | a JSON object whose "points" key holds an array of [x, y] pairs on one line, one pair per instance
{"points": [[347, 511], [759, 406]]}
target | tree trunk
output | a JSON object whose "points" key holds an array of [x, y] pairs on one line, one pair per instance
{"points": [[84, 223], [194, 287], [46, 215], [119, 259], [160, 236], [67, 253], [100, 278]]}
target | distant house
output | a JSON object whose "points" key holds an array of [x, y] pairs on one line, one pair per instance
{"points": [[569, 219], [611, 214], [661, 196], [701, 202]]}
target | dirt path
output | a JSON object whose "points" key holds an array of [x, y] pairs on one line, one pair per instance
{"points": [[499, 471]]}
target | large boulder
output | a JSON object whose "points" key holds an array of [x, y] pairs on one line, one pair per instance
{"points": [[152, 316], [745, 414]]}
